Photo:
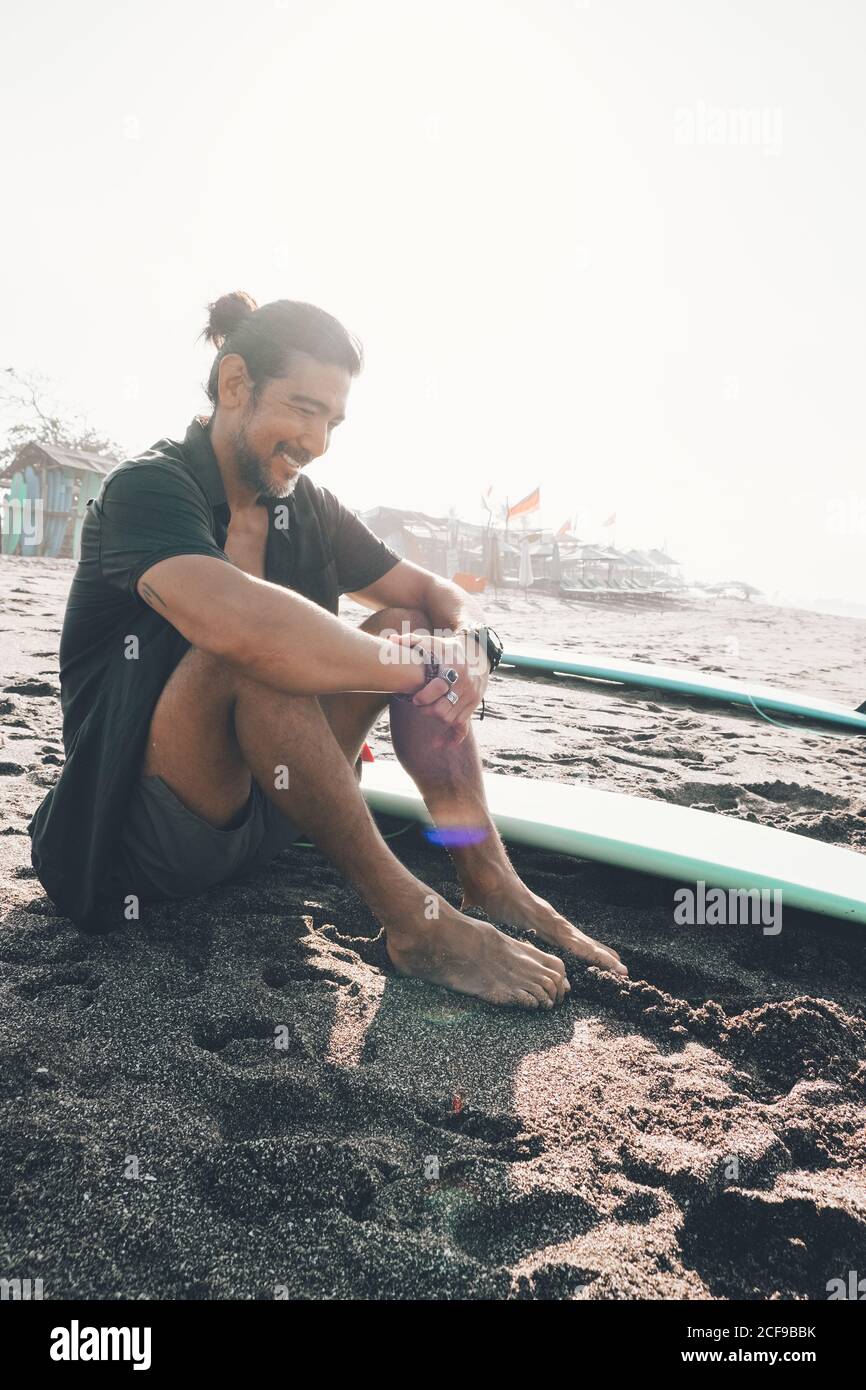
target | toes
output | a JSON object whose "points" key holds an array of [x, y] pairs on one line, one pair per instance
{"points": [[608, 960], [545, 999], [560, 979], [604, 957], [553, 975], [558, 982], [551, 990], [547, 960], [597, 945], [525, 999]]}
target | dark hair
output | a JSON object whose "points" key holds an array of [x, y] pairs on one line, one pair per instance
{"points": [[267, 338]]}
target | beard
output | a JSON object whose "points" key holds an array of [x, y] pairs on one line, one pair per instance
{"points": [[255, 472]]}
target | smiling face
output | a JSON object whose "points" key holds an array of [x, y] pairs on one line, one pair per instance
{"points": [[288, 425]]}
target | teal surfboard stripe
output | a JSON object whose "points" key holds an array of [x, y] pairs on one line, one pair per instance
{"points": [[683, 681], [653, 837]]}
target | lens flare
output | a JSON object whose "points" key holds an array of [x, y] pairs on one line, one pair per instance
{"points": [[451, 835]]}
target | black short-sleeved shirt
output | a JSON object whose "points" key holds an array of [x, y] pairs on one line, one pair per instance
{"points": [[116, 653]]}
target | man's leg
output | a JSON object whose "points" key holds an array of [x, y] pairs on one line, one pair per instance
{"points": [[214, 729], [450, 779]]}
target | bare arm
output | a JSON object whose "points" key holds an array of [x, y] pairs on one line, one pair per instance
{"points": [[272, 634], [409, 586]]}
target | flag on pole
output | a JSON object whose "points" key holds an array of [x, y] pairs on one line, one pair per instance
{"points": [[566, 528], [487, 499], [530, 503], [611, 521]]}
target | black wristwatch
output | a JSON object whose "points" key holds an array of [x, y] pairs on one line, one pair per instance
{"points": [[489, 642]]}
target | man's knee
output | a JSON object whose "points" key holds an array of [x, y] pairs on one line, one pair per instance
{"points": [[214, 683], [200, 677]]}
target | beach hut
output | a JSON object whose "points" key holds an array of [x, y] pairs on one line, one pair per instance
{"points": [[55, 485], [445, 545]]}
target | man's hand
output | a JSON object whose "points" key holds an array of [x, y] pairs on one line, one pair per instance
{"points": [[461, 654]]}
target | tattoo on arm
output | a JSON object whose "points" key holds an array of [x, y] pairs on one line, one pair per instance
{"points": [[151, 596]]}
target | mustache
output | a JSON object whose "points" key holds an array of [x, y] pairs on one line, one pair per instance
{"points": [[298, 456]]}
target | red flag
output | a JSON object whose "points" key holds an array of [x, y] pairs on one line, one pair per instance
{"points": [[530, 503], [565, 528]]}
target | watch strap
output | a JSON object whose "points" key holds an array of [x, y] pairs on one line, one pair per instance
{"points": [[490, 645]]}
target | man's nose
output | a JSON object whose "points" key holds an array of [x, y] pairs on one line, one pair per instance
{"points": [[315, 438]]}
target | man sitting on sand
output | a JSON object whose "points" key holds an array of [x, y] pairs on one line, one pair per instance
{"points": [[215, 706]]}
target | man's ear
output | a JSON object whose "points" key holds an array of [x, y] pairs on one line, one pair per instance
{"points": [[235, 385]]}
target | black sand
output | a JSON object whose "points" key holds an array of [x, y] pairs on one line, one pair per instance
{"points": [[695, 1132]]}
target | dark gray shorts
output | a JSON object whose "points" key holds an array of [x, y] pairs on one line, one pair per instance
{"points": [[167, 851]]}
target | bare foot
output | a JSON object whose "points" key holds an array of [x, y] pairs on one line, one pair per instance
{"points": [[520, 907], [474, 958]]}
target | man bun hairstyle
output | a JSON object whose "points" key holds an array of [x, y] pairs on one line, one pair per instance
{"points": [[225, 314], [268, 338]]}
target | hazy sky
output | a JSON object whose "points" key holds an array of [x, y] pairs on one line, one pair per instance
{"points": [[611, 247]]}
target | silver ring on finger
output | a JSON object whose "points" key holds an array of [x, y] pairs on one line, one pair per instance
{"points": [[452, 697]]}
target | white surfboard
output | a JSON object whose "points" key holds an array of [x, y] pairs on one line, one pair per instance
{"points": [[655, 837], [685, 681]]}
